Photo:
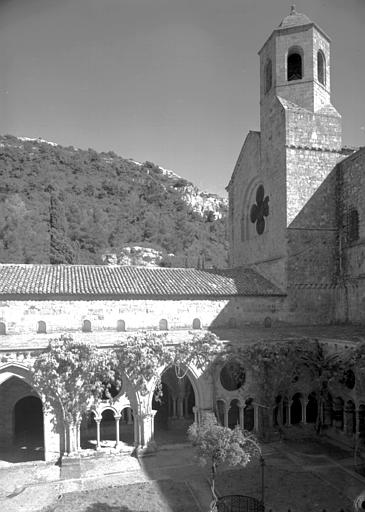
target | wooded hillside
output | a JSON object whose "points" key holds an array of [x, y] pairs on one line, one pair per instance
{"points": [[66, 205]]}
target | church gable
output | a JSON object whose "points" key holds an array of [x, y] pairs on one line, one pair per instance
{"points": [[241, 192]]}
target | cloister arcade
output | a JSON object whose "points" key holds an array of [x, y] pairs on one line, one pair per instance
{"points": [[129, 420]]}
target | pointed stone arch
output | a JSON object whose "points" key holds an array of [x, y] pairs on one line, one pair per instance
{"points": [[18, 377], [146, 415]]}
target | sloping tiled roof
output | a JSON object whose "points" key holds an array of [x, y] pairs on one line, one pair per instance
{"points": [[41, 281]]}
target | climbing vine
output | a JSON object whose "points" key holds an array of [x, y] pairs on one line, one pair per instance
{"points": [[275, 366], [71, 374], [143, 355]]}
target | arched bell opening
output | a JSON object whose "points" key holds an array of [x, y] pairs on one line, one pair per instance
{"points": [[174, 408]]}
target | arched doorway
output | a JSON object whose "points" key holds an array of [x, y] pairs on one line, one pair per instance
{"points": [[296, 409], [249, 415], [126, 427], [88, 431], [174, 408], [338, 413], [277, 412], [350, 414], [362, 423], [221, 407], [312, 408], [107, 429], [28, 422], [21, 420], [233, 414]]}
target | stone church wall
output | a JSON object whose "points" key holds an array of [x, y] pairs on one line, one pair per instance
{"points": [[306, 170], [68, 315], [312, 263], [351, 191]]}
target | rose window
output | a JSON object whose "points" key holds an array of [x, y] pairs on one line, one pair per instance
{"points": [[260, 210]]}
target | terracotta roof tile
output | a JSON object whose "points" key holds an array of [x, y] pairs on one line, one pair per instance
{"points": [[121, 281]]}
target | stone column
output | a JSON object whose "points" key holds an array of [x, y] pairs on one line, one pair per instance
{"points": [[196, 415], [98, 421], [280, 413], [256, 417], [137, 431], [117, 418], [241, 416], [304, 411], [226, 410], [186, 404], [344, 420], [357, 421], [147, 428], [290, 403], [180, 407], [71, 438], [169, 406], [174, 407]]}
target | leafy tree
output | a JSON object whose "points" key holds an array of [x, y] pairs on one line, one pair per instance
{"points": [[70, 375], [61, 250], [216, 444]]}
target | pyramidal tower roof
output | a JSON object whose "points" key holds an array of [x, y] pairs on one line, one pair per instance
{"points": [[294, 19]]}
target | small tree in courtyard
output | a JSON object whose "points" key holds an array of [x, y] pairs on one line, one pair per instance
{"points": [[69, 375], [216, 444]]}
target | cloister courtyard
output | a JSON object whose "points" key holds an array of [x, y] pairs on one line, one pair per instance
{"points": [[300, 474]]}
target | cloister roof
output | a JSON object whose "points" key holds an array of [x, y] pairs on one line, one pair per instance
{"points": [[41, 281]]}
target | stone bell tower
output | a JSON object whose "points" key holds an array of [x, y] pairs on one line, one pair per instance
{"points": [[299, 143], [295, 85]]}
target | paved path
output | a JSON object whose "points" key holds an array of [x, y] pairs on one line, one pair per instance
{"points": [[329, 482]]}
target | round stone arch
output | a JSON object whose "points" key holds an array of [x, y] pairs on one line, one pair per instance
{"points": [[53, 425], [98, 412]]}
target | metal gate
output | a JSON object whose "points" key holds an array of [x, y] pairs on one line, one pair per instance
{"points": [[239, 503]]}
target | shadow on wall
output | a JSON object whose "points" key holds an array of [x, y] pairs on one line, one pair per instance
{"points": [[105, 507], [242, 311]]}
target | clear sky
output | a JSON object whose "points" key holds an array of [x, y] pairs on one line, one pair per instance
{"points": [[171, 81]]}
